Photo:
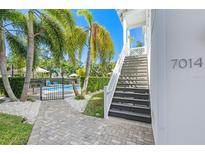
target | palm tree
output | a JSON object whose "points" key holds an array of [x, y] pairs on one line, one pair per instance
{"points": [[75, 38], [41, 29], [7, 18], [99, 45]]}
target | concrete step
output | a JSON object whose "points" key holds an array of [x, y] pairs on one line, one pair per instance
{"points": [[131, 115], [138, 78], [132, 79], [135, 58], [134, 71], [131, 95], [132, 83], [132, 86], [130, 100], [134, 62], [130, 107], [131, 89], [142, 74], [134, 65], [135, 68]]}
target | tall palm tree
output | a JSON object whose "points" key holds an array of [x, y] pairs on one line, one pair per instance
{"points": [[41, 29], [7, 18], [100, 45], [74, 36]]}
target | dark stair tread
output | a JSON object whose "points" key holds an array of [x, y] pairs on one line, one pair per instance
{"points": [[131, 105], [132, 88], [137, 80], [134, 73], [130, 113], [133, 84], [127, 92], [130, 99]]}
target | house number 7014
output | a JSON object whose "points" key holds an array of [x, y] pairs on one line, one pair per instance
{"points": [[187, 63]]}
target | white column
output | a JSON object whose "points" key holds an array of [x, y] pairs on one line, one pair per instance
{"points": [[124, 31], [128, 39]]}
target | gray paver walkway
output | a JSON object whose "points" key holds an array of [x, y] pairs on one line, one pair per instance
{"points": [[28, 110], [58, 123]]}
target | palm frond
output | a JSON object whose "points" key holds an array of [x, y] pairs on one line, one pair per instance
{"points": [[16, 44], [64, 16], [104, 44], [54, 36], [87, 14]]}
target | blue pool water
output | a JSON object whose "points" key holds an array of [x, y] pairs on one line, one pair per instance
{"points": [[54, 88]]}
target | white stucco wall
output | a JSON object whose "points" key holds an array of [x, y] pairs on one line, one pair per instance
{"points": [[178, 95]]}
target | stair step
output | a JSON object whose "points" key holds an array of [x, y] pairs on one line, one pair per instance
{"points": [[135, 68], [140, 56], [134, 74], [137, 84], [131, 89], [136, 63], [133, 71], [139, 78], [130, 115], [135, 58], [133, 79], [130, 107], [130, 100], [131, 95]]}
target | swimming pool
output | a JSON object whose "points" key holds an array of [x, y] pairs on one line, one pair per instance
{"points": [[58, 88]]}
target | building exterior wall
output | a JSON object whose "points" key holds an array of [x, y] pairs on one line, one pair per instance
{"points": [[177, 92]]}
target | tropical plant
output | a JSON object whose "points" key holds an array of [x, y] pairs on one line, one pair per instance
{"points": [[16, 62], [80, 72], [8, 18], [139, 44], [41, 30], [75, 37], [99, 45], [102, 70]]}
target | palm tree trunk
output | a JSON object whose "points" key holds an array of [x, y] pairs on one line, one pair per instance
{"points": [[30, 56], [3, 67], [88, 65], [75, 89]]}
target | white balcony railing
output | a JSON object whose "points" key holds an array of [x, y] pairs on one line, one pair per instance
{"points": [[110, 88], [137, 51]]}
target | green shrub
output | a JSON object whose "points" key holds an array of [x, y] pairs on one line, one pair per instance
{"points": [[95, 83], [79, 97], [16, 85], [95, 106]]}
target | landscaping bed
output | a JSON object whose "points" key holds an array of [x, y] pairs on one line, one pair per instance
{"points": [[95, 106], [14, 129]]}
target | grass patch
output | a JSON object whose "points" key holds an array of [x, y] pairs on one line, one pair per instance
{"points": [[95, 106], [14, 130], [79, 97]]}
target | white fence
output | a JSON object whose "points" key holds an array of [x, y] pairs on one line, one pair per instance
{"points": [[137, 51]]}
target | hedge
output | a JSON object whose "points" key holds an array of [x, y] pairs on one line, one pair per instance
{"points": [[16, 85], [95, 83]]}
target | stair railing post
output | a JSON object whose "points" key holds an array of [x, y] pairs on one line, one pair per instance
{"points": [[105, 103]]}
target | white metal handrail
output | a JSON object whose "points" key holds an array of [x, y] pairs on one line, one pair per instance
{"points": [[137, 51], [110, 88]]}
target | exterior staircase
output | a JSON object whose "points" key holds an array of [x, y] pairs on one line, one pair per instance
{"points": [[131, 96]]}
